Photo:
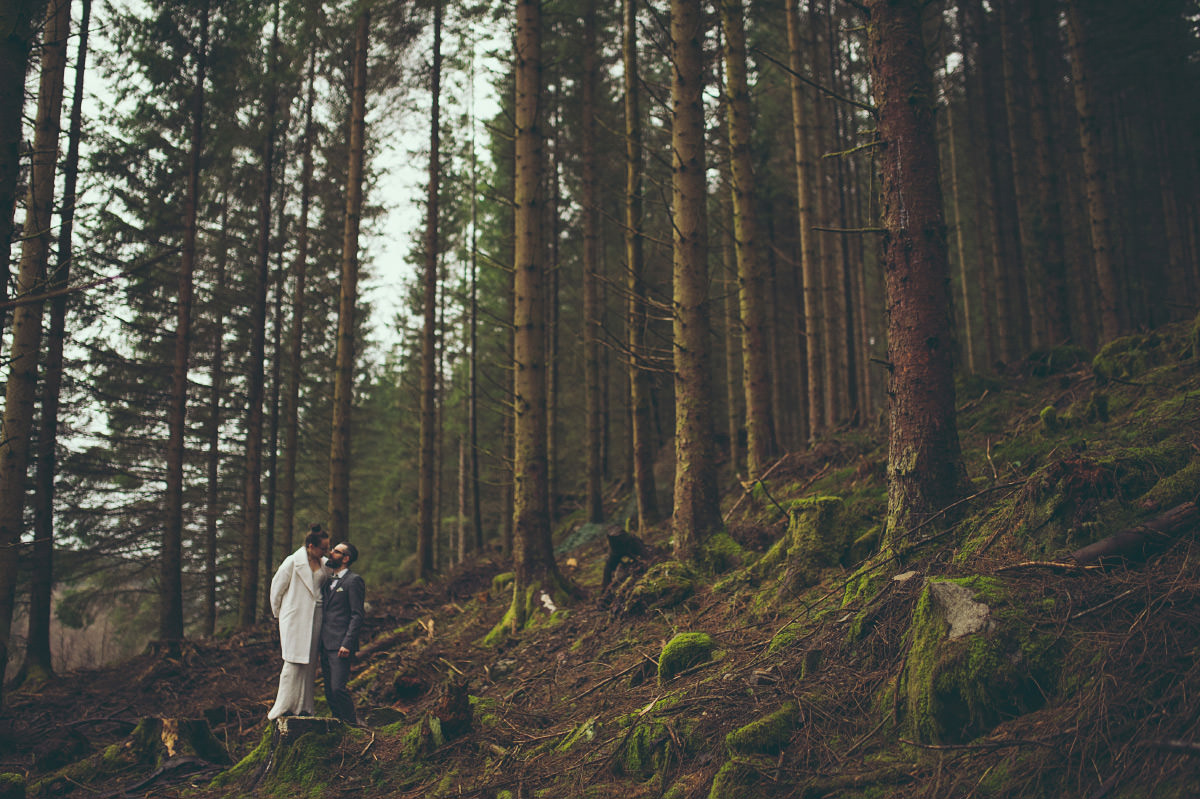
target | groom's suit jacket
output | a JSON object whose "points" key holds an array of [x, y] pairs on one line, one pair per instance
{"points": [[343, 609]]}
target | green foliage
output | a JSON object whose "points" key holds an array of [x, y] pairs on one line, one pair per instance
{"points": [[1129, 357], [12, 786]]}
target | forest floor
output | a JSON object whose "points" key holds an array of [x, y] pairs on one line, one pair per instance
{"points": [[823, 669]]}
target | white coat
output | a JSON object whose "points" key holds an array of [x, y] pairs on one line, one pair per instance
{"points": [[293, 601]]}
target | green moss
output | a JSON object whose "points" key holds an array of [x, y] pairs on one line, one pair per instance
{"points": [[719, 553], [12, 786], [585, 731], [767, 735], [1193, 348], [1174, 489], [1051, 425], [664, 585], [1055, 360], [1128, 357], [682, 652], [786, 638], [955, 690], [502, 582], [739, 778]]}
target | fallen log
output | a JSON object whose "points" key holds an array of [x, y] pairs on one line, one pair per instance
{"points": [[1136, 544]]}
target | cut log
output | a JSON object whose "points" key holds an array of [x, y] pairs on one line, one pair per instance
{"points": [[1136, 544]]}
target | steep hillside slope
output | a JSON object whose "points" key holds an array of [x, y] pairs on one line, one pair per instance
{"points": [[980, 659]]}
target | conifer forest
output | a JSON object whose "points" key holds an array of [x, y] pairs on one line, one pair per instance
{"points": [[654, 249]]}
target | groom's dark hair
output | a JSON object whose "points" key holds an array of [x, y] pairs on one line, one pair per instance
{"points": [[351, 550]]}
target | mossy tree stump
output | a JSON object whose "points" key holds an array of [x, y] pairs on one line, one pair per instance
{"points": [[292, 751], [815, 539]]}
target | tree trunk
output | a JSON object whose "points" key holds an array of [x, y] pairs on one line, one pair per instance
{"points": [[38, 661], [271, 556], [1100, 218], [291, 414], [966, 308], [339, 449], [925, 471], [170, 625], [760, 432], [14, 61], [697, 510], [425, 498], [593, 504], [640, 388], [801, 133], [27, 319], [533, 553], [473, 393], [213, 466], [252, 509], [1041, 30]]}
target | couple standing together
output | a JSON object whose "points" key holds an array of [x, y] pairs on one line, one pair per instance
{"points": [[319, 604]]}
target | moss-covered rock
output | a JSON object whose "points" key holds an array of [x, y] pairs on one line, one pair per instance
{"points": [[739, 778], [767, 735], [663, 586], [1128, 357], [12, 786], [1175, 488], [682, 652], [974, 660], [1055, 360]]}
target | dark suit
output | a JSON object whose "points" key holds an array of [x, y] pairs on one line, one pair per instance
{"points": [[342, 606]]}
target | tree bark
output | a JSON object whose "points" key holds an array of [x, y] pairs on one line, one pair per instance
{"points": [[426, 467], [801, 133], [27, 319], [760, 429], [339, 449], [15, 42], [533, 553], [925, 471], [291, 414], [1100, 218], [252, 509], [593, 504], [213, 465], [640, 388], [697, 511], [38, 659], [170, 625]]}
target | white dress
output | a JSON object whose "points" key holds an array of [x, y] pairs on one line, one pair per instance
{"points": [[296, 681]]}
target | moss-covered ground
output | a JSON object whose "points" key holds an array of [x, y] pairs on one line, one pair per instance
{"points": [[818, 668]]}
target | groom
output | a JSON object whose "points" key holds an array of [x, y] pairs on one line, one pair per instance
{"points": [[342, 598]]}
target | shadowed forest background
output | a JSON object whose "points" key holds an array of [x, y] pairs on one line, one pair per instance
{"points": [[192, 372]]}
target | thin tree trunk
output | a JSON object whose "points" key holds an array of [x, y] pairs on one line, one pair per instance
{"points": [[925, 471], [473, 394], [462, 499], [216, 390], [38, 659], [271, 557], [1100, 218], [552, 303], [760, 431], [593, 503], [27, 319], [1047, 212], [697, 511], [15, 44], [291, 417], [640, 388], [425, 499], [252, 509], [339, 449], [170, 627], [966, 308], [801, 131]]}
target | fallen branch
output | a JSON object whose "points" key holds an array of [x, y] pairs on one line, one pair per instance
{"points": [[1136, 544]]}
